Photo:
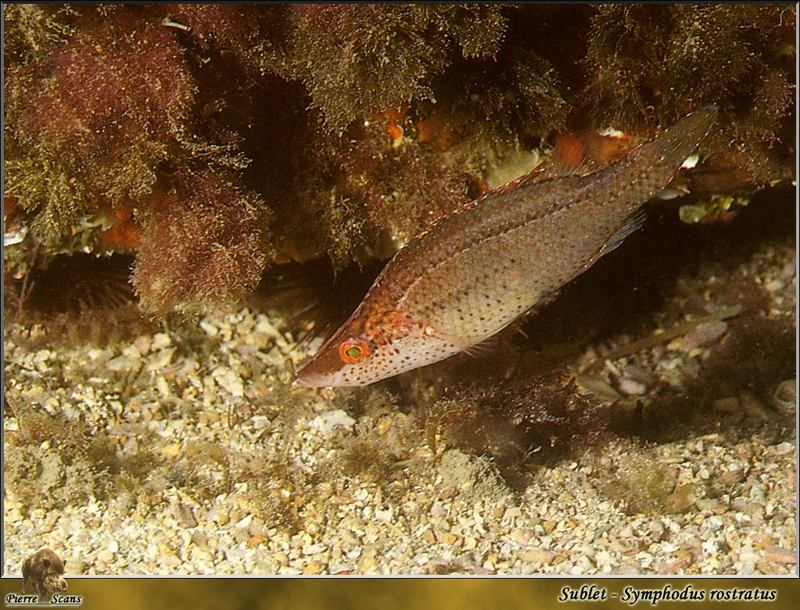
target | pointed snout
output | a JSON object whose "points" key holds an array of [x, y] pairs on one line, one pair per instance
{"points": [[316, 373], [308, 378]]}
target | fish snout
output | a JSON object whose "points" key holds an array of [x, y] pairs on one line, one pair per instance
{"points": [[309, 378]]}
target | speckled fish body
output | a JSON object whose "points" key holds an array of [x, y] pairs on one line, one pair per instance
{"points": [[478, 269]]}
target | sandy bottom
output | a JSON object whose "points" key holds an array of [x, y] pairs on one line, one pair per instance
{"points": [[187, 450]]}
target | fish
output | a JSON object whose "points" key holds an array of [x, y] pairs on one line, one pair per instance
{"points": [[475, 271]]}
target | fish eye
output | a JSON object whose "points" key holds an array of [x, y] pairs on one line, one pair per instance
{"points": [[353, 351]]}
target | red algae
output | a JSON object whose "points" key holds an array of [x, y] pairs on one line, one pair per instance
{"points": [[357, 126]]}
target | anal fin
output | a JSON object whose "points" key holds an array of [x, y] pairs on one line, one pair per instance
{"points": [[633, 223]]}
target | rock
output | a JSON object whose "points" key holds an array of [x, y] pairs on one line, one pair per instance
{"points": [[731, 477], [313, 568], [219, 516], [774, 285], [122, 363], [199, 538], [183, 513], [683, 498], [784, 398], [143, 344], [314, 549], [131, 351], [208, 328], [367, 565], [657, 530], [447, 538], [754, 408], [160, 359], [780, 555], [244, 522], [521, 536], [160, 341], [171, 450], [707, 504], [728, 405], [14, 515], [326, 422], [631, 388], [535, 555], [76, 565], [229, 380], [163, 387], [703, 334]]}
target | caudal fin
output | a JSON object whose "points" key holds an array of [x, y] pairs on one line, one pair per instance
{"points": [[671, 147]]}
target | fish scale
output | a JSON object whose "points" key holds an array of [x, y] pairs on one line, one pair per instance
{"points": [[478, 269]]}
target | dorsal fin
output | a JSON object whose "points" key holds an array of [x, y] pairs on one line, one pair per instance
{"points": [[548, 169]]}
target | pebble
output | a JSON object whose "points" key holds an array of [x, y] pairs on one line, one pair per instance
{"points": [[132, 352], [244, 523], [754, 408], [199, 538], [163, 387], [731, 477], [229, 380], [774, 285], [783, 449], [289, 510], [219, 516], [703, 334], [683, 498], [326, 422], [122, 363], [209, 328], [780, 555], [98, 355], [707, 504], [76, 565], [183, 513], [631, 388], [785, 397], [313, 567], [537, 556], [314, 549], [657, 530], [13, 514], [160, 359], [726, 405], [143, 344], [447, 538], [160, 341]]}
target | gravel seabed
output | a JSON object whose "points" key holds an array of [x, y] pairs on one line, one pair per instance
{"points": [[209, 401]]}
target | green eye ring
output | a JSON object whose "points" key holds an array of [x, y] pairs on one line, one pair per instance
{"points": [[354, 351]]}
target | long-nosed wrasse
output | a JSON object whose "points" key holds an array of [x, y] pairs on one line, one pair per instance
{"points": [[478, 269]]}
